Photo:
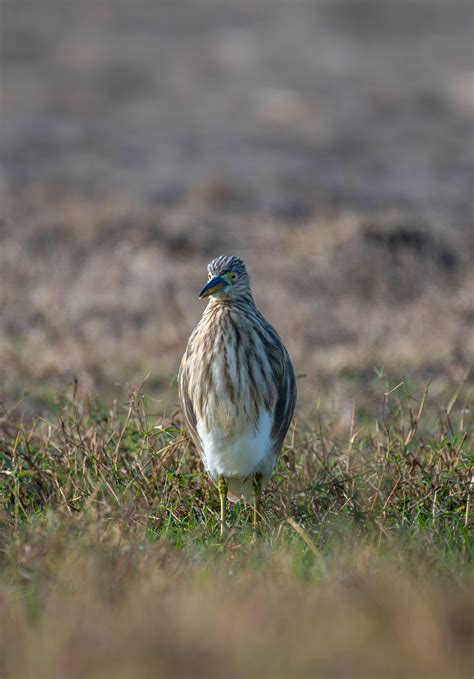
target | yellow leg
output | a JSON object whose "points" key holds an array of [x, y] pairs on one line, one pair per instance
{"points": [[222, 488], [257, 486]]}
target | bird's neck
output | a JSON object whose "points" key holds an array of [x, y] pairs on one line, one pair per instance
{"points": [[243, 301]]}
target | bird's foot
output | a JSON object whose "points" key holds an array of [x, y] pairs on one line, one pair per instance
{"points": [[257, 486], [222, 488]]}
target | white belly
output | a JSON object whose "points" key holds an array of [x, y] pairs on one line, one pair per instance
{"points": [[233, 454]]}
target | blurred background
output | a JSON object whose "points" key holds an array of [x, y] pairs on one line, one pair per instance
{"points": [[327, 143]]}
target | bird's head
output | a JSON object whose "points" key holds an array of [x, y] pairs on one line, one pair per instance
{"points": [[227, 279]]}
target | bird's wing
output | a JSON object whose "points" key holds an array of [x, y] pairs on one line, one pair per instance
{"points": [[285, 403], [187, 406]]}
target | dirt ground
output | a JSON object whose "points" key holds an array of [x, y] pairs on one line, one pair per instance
{"points": [[328, 143]]}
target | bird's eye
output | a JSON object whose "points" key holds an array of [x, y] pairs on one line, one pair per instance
{"points": [[209, 276], [233, 276]]}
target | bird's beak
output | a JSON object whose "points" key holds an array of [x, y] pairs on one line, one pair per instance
{"points": [[214, 285]]}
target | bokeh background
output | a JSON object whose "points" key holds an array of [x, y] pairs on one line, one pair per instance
{"points": [[328, 143]]}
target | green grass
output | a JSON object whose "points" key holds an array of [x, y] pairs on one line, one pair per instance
{"points": [[111, 562]]}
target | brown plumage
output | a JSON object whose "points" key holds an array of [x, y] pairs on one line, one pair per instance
{"points": [[236, 384]]}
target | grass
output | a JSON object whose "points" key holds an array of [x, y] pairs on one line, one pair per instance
{"points": [[111, 563]]}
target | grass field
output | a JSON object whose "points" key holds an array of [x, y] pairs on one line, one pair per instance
{"points": [[112, 565]]}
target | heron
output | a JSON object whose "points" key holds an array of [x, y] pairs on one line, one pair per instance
{"points": [[237, 388]]}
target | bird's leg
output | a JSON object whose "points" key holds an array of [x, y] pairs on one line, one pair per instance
{"points": [[222, 488], [257, 486]]}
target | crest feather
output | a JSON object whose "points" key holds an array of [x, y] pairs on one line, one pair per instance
{"points": [[225, 264]]}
